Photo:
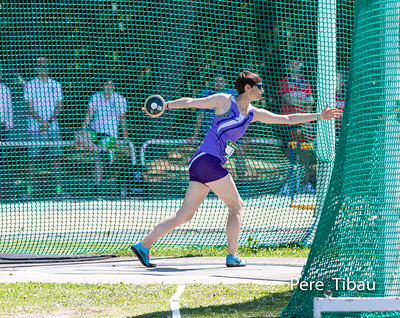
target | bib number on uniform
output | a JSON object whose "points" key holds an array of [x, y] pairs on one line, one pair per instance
{"points": [[230, 149]]}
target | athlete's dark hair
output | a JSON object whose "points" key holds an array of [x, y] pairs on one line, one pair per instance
{"points": [[244, 78]]}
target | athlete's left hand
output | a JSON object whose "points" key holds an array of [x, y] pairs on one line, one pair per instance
{"points": [[330, 113]]}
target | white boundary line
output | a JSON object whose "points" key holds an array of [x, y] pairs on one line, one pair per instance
{"points": [[174, 302]]}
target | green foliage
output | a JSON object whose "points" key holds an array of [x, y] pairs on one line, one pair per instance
{"points": [[251, 245]]}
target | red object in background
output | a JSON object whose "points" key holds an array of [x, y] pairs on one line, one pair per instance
{"points": [[288, 85]]}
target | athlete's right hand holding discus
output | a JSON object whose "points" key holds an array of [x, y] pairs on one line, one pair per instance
{"points": [[206, 167], [154, 106]]}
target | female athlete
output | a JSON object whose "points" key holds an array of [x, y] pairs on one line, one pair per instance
{"points": [[206, 170]]}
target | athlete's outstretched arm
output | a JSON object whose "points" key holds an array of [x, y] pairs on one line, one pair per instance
{"points": [[265, 116], [217, 101]]}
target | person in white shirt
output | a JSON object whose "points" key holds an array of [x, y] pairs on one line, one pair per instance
{"points": [[44, 102], [99, 130]]}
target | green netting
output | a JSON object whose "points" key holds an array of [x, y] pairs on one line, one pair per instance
{"points": [[175, 49], [358, 234]]}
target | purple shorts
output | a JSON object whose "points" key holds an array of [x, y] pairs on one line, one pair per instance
{"points": [[206, 168]]}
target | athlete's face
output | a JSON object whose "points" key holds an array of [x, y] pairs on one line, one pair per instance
{"points": [[257, 91]]}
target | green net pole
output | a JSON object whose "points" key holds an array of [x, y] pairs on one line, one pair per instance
{"points": [[326, 83]]}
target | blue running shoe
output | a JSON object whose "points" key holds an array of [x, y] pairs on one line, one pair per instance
{"points": [[143, 254], [235, 261]]}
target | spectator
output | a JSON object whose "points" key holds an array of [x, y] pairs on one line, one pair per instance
{"points": [[6, 122], [44, 102], [340, 97], [296, 96], [99, 131]]}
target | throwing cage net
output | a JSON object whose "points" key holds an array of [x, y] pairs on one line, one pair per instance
{"points": [[84, 171], [355, 252]]}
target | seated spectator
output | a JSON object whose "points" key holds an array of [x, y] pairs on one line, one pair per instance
{"points": [[44, 102], [99, 131]]}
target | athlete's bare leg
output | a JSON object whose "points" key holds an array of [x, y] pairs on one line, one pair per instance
{"points": [[225, 189], [195, 195]]}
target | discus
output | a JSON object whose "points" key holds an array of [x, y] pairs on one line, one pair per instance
{"points": [[154, 105]]}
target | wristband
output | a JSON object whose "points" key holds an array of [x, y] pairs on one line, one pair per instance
{"points": [[317, 115], [167, 105]]}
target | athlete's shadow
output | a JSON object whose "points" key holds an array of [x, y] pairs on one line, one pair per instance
{"points": [[267, 305]]}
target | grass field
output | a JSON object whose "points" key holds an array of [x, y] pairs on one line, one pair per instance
{"points": [[147, 301]]}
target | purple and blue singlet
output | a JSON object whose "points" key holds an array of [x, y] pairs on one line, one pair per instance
{"points": [[206, 164]]}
